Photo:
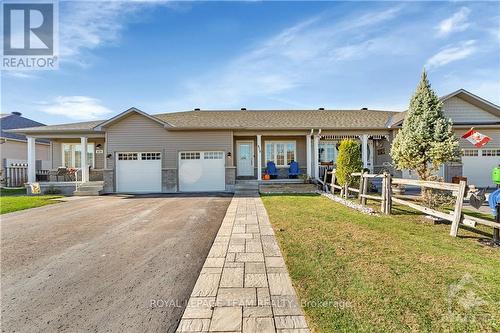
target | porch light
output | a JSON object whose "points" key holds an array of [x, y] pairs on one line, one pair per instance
{"points": [[229, 154], [98, 146]]}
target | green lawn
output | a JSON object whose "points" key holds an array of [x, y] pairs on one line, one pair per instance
{"points": [[12, 200], [13, 191], [360, 273]]}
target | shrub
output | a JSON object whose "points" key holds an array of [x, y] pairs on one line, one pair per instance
{"points": [[348, 161]]}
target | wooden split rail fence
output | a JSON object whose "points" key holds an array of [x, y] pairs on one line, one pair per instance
{"points": [[387, 198]]}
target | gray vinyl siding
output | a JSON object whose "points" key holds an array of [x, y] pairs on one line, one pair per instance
{"points": [[461, 111], [494, 134], [137, 133]]}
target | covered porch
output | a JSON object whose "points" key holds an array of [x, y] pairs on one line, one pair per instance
{"points": [[77, 163], [314, 151]]}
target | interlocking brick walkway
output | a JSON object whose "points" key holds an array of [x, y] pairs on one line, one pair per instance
{"points": [[244, 285]]}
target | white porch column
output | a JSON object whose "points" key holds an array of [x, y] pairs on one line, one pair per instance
{"points": [[85, 167], [31, 159], [308, 155], [316, 157], [259, 157], [364, 150]]}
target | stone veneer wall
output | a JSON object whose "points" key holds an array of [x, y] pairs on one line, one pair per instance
{"points": [[230, 178], [108, 176], [96, 175], [169, 180]]}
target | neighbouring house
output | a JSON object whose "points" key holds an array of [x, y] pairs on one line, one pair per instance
{"points": [[136, 152], [467, 110], [14, 149]]}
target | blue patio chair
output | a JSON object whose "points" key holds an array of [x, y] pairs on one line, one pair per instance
{"points": [[271, 169], [293, 171]]}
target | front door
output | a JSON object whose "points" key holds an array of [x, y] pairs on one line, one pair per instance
{"points": [[245, 158]]}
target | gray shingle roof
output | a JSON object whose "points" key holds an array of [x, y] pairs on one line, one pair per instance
{"points": [[256, 119], [397, 118], [278, 119], [81, 126], [13, 121]]}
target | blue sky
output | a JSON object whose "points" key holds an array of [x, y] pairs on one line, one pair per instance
{"points": [[171, 56]]}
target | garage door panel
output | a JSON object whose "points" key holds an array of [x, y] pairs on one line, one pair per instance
{"points": [[201, 171], [138, 172], [477, 165]]}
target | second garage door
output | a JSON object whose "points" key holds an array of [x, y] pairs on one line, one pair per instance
{"points": [[201, 171], [478, 164]]}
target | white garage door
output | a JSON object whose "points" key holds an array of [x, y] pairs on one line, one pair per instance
{"points": [[138, 172], [201, 171], [477, 165]]}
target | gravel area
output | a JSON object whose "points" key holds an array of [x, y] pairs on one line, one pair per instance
{"points": [[348, 203]]}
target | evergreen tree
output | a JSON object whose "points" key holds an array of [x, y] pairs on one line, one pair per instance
{"points": [[426, 140]]}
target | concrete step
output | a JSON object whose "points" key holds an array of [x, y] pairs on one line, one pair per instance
{"points": [[242, 187], [89, 189]]}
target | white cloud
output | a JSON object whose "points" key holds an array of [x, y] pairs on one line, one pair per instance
{"points": [[20, 74], [452, 53], [287, 61], [457, 22], [87, 25], [76, 107]]}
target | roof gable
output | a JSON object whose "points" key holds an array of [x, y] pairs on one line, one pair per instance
{"points": [[125, 114], [475, 100], [461, 111], [463, 107]]}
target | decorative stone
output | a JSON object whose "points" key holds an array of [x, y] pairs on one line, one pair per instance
{"points": [[258, 325], [232, 278], [226, 319], [255, 280]]}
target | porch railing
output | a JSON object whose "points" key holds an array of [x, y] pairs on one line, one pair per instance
{"points": [[17, 175]]}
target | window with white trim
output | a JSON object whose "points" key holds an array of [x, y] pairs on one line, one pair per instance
{"points": [[150, 156], [190, 156], [213, 155], [72, 155], [281, 152], [127, 156], [327, 151], [491, 152], [470, 152]]}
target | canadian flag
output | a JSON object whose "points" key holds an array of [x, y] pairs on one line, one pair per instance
{"points": [[476, 138]]}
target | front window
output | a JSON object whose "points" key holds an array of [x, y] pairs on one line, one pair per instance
{"points": [[327, 151], [72, 155], [281, 152]]}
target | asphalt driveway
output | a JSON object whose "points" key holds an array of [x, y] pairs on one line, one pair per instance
{"points": [[121, 264]]}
